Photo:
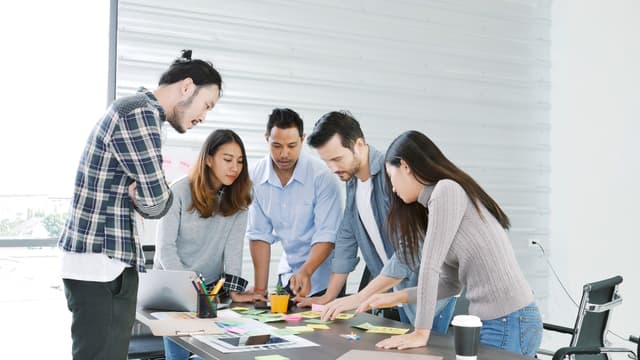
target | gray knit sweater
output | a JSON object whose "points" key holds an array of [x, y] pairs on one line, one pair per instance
{"points": [[209, 246], [466, 249]]}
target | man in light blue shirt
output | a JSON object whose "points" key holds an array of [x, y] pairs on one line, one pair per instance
{"points": [[297, 202]]}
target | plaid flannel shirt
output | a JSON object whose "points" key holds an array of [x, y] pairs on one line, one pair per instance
{"points": [[123, 147]]}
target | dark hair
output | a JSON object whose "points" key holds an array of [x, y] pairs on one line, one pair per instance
{"points": [[201, 72], [336, 122], [407, 223], [236, 196], [284, 118]]}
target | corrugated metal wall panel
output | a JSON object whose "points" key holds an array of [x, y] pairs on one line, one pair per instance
{"points": [[474, 76]]}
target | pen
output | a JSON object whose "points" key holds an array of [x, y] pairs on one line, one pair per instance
{"points": [[195, 286]]}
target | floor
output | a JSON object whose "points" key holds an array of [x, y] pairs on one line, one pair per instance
{"points": [[35, 319]]}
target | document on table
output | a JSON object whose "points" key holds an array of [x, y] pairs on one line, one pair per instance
{"points": [[251, 327]]}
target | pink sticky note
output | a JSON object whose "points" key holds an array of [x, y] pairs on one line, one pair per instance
{"points": [[292, 318], [317, 307], [236, 330]]}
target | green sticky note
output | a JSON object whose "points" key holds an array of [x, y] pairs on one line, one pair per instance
{"points": [[300, 328], [254, 312], [268, 319], [364, 326], [283, 332]]}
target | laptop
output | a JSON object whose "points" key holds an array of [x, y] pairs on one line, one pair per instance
{"points": [[169, 290]]}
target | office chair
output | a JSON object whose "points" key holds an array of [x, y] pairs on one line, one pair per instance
{"points": [[590, 329], [143, 344]]}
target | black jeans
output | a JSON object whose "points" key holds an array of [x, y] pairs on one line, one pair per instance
{"points": [[103, 314]]}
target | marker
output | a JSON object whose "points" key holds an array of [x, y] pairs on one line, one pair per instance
{"points": [[218, 286]]}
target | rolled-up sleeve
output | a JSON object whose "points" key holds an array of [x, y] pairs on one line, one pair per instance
{"points": [[327, 211], [396, 268], [259, 226], [135, 143]]}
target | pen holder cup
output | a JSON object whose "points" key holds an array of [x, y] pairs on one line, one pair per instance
{"points": [[207, 306], [279, 303]]}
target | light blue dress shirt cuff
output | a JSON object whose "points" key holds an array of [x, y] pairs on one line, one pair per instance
{"points": [[260, 236]]}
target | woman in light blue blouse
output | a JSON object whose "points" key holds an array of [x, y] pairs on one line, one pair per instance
{"points": [[204, 229]]}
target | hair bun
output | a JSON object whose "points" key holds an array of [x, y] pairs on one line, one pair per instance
{"points": [[185, 57]]}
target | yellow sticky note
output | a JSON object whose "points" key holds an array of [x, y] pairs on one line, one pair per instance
{"points": [[300, 328], [271, 357], [310, 314], [344, 316], [239, 308], [387, 330], [318, 326]]}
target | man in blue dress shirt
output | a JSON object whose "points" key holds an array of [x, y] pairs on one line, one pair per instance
{"points": [[296, 202]]}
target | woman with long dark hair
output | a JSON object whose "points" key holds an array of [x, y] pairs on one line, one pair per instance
{"points": [[464, 241], [204, 229]]}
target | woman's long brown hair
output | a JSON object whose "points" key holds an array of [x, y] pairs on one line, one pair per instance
{"points": [[407, 223], [235, 197]]}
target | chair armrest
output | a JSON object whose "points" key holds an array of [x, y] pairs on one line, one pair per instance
{"points": [[578, 350], [588, 350], [558, 328]]}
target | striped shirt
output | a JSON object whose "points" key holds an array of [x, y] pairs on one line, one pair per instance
{"points": [[123, 147]]}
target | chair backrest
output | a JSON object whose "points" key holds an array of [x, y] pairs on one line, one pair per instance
{"points": [[598, 298]]}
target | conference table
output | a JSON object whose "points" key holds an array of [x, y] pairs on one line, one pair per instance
{"points": [[332, 345]]}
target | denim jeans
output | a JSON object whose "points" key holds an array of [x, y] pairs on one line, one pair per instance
{"points": [[519, 332], [173, 351]]}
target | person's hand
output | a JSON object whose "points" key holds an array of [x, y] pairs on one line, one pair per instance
{"points": [[308, 301], [132, 192], [300, 283], [255, 290], [417, 338], [339, 305], [246, 297], [378, 301]]}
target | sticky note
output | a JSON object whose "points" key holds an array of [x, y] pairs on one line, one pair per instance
{"points": [[292, 318], [239, 309], [254, 312], [364, 326], [387, 330], [236, 330], [284, 332], [344, 316], [310, 314], [300, 328], [318, 326], [317, 307]]}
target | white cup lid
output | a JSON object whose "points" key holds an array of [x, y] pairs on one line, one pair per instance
{"points": [[466, 320]]}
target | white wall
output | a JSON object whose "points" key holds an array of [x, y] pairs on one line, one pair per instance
{"points": [[595, 94]]}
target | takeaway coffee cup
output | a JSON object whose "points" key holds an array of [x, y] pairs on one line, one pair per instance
{"points": [[466, 336]]}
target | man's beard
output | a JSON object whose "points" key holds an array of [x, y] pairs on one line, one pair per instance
{"points": [[176, 119]]}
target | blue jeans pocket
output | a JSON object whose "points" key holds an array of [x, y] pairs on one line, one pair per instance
{"points": [[530, 330], [494, 333]]}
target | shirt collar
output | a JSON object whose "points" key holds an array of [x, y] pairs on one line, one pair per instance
{"points": [[375, 165], [153, 100], [425, 194], [299, 172]]}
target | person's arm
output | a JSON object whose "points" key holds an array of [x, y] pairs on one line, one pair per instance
{"points": [[135, 144], [379, 284], [300, 282], [259, 234], [260, 254], [167, 248], [326, 213], [336, 283]]}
